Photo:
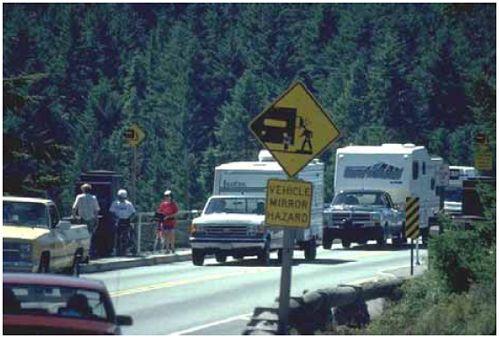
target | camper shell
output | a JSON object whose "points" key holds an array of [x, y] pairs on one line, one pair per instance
{"points": [[247, 181]]}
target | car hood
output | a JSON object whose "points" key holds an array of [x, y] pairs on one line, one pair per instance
{"points": [[230, 219], [353, 208], [20, 232]]}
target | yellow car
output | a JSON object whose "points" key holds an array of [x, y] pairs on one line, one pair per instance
{"points": [[35, 239]]}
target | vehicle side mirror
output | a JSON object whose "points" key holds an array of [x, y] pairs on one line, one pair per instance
{"points": [[124, 320]]}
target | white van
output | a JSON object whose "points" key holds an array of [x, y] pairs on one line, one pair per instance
{"points": [[402, 170], [232, 222]]}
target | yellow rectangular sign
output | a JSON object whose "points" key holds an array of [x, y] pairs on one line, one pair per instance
{"points": [[289, 203]]}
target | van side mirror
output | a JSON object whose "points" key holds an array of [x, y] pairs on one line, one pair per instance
{"points": [[124, 320]]}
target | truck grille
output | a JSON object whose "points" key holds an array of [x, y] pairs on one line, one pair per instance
{"points": [[226, 231], [11, 252], [357, 218]]}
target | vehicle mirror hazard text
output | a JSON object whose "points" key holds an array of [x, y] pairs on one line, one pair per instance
{"points": [[289, 203]]}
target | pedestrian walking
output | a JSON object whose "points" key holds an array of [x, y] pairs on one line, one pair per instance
{"points": [[168, 209], [86, 207], [122, 211]]}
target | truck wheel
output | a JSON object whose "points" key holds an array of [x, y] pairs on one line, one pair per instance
{"points": [[264, 255], [327, 242], [345, 243], [44, 266], [75, 267], [197, 257], [310, 250], [381, 240], [221, 258]]}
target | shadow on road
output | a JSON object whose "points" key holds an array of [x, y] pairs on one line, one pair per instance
{"points": [[385, 247], [248, 262]]}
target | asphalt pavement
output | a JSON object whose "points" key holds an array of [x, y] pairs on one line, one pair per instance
{"points": [[179, 298]]}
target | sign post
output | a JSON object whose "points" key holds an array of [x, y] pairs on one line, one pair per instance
{"points": [[295, 129], [134, 136], [412, 224]]}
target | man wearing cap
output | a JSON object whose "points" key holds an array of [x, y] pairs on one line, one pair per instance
{"points": [[168, 208], [87, 208], [122, 210]]}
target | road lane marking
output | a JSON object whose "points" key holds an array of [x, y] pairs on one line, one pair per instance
{"points": [[164, 285], [205, 326], [252, 270]]}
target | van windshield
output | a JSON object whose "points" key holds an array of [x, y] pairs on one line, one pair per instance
{"points": [[25, 214], [236, 206]]}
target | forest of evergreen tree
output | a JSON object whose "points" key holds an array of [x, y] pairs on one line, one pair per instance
{"points": [[76, 76]]}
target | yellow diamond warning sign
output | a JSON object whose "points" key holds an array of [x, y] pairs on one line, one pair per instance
{"points": [[289, 203], [295, 129]]}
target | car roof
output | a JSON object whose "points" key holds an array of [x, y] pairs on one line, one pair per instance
{"points": [[52, 280], [26, 199], [362, 191]]}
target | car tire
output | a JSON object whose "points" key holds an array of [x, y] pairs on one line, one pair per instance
{"points": [[44, 266], [310, 250], [75, 267], [197, 257], [264, 255], [221, 258], [345, 243], [381, 240], [327, 242]]}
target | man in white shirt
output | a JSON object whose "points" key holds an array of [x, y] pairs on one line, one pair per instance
{"points": [[87, 208], [122, 211]]}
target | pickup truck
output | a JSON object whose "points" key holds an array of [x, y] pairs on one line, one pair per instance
{"points": [[35, 239], [356, 216], [233, 226]]}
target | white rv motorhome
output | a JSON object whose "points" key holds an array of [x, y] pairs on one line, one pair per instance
{"points": [[402, 170], [237, 229]]}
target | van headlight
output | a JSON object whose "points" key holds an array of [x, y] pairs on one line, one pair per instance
{"points": [[376, 218], [25, 251]]}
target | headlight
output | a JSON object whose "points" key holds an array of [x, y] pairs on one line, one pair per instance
{"points": [[376, 217], [25, 251]]}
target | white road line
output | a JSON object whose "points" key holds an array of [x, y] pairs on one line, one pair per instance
{"points": [[204, 326]]}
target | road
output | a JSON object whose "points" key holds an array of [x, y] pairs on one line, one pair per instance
{"points": [[216, 298]]}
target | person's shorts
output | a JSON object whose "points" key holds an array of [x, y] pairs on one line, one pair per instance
{"points": [[165, 227]]}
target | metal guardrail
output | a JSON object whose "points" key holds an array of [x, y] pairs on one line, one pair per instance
{"points": [[146, 229]]}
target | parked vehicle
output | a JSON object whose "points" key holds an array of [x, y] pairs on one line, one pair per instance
{"points": [[58, 305], [237, 229], [35, 239], [356, 216], [402, 170], [453, 203]]}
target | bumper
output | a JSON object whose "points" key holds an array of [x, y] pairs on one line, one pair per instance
{"points": [[219, 244], [357, 234], [18, 267]]}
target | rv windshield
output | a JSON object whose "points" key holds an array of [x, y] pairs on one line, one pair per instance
{"points": [[244, 205], [360, 198]]}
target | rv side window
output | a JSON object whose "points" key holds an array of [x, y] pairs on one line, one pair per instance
{"points": [[423, 169], [415, 170]]}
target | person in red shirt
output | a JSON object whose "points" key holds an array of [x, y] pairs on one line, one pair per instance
{"points": [[168, 208]]}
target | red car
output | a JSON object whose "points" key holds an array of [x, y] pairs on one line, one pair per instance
{"points": [[52, 304]]}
